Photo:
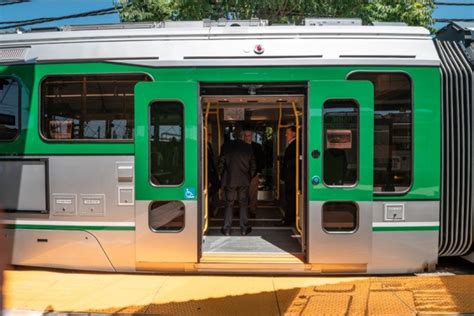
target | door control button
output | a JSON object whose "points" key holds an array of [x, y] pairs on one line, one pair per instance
{"points": [[315, 180], [315, 153]]}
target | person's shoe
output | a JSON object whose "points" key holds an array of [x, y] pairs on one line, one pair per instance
{"points": [[225, 231], [245, 231], [284, 222]]}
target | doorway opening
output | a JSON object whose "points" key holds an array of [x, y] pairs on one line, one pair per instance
{"points": [[261, 115]]}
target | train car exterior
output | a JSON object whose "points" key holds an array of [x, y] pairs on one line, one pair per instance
{"points": [[77, 153]]}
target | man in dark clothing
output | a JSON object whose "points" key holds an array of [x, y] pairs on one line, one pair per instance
{"points": [[288, 175], [212, 175], [259, 158], [236, 167]]}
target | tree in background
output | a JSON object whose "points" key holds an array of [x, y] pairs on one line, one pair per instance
{"points": [[412, 12], [144, 10]]}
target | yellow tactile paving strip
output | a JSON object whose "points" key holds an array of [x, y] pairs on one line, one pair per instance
{"points": [[236, 295]]}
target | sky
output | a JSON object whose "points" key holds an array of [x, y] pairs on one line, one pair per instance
{"points": [[52, 8], [453, 12]]}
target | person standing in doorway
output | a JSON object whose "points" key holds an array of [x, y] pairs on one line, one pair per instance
{"points": [[288, 175], [236, 167], [259, 158]]}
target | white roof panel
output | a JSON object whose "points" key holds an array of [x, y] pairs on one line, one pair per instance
{"points": [[215, 46]]}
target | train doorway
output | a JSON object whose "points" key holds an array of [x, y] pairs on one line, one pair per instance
{"points": [[259, 114]]}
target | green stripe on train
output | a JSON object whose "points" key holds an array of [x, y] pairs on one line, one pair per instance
{"points": [[68, 227], [404, 228], [132, 228]]}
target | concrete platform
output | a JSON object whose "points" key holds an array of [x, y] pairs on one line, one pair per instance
{"points": [[41, 291]]}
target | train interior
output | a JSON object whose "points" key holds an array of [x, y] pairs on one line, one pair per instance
{"points": [[266, 110]]}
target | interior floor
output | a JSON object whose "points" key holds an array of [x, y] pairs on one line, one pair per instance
{"points": [[267, 237], [274, 241], [267, 216]]}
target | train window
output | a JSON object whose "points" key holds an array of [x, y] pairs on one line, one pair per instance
{"points": [[393, 138], [166, 143], [341, 142], [89, 107], [166, 216], [340, 217], [9, 108]]}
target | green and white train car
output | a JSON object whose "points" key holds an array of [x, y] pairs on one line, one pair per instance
{"points": [[103, 131]]}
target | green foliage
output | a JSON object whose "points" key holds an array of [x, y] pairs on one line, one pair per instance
{"points": [[284, 11], [412, 12], [196, 10], [144, 10]]}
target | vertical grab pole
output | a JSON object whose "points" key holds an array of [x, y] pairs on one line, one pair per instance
{"points": [[297, 123], [219, 139], [280, 113], [218, 117], [206, 166]]}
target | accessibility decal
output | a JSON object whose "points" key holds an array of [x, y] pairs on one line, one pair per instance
{"points": [[189, 193]]}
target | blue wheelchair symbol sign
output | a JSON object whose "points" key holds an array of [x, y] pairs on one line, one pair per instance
{"points": [[189, 193]]}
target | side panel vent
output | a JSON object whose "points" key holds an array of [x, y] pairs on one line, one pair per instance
{"points": [[456, 233], [250, 57], [331, 21], [8, 55]]}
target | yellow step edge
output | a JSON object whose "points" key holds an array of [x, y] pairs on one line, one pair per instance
{"points": [[253, 267], [252, 258]]}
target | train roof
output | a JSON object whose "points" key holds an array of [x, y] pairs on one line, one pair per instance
{"points": [[461, 33], [175, 44]]}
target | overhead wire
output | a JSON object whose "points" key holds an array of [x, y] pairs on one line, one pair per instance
{"points": [[112, 10], [454, 3], [16, 24], [454, 20], [447, 20], [11, 2]]}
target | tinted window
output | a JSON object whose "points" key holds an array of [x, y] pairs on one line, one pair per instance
{"points": [[393, 139], [341, 142], [340, 217], [166, 143], [166, 216], [89, 107], [9, 108]]}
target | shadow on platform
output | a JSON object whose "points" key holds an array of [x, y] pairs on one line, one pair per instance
{"points": [[371, 296]]}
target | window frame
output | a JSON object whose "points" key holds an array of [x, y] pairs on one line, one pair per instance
{"points": [[412, 102], [43, 213], [324, 144], [20, 91], [156, 231], [356, 228], [183, 180], [83, 141]]}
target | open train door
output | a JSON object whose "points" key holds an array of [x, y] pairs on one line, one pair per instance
{"points": [[166, 175], [340, 175]]}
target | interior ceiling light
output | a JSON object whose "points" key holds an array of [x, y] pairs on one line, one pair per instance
{"points": [[252, 88]]}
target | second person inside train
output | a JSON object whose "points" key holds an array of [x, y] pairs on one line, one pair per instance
{"points": [[213, 177], [288, 176]]}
